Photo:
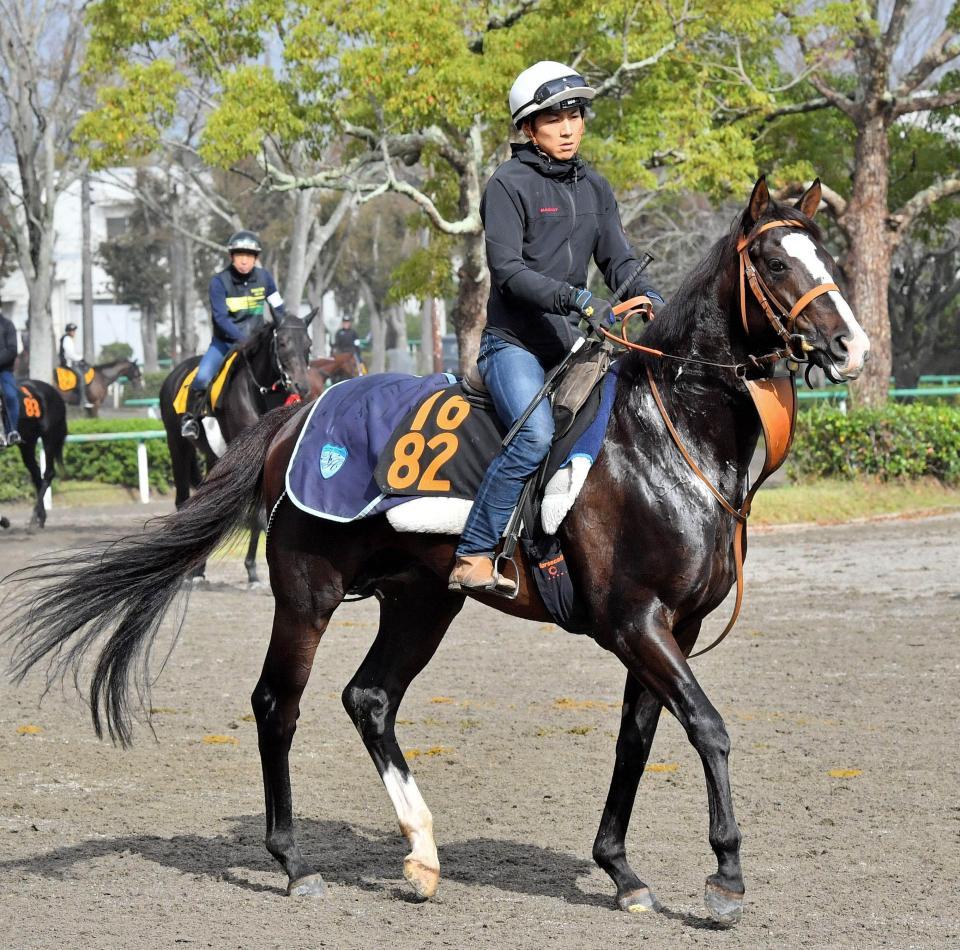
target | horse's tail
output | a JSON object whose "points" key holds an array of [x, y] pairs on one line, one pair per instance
{"points": [[126, 586]]}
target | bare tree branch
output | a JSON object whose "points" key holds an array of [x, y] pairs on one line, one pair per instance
{"points": [[898, 19], [835, 203], [901, 220], [502, 22], [944, 48], [925, 100]]}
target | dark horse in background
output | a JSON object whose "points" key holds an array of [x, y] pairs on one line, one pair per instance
{"points": [[646, 600], [43, 418], [104, 375], [330, 370], [271, 366]]}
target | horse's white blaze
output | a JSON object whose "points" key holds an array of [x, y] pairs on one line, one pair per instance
{"points": [[415, 819], [801, 247]]}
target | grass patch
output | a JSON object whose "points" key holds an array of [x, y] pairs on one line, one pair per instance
{"points": [[833, 501]]}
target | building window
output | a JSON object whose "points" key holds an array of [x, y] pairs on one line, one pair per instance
{"points": [[116, 227]]}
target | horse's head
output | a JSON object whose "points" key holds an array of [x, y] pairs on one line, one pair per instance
{"points": [[794, 273], [132, 371], [292, 348]]}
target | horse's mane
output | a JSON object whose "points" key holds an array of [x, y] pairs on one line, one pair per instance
{"points": [[112, 363], [253, 342], [695, 302]]}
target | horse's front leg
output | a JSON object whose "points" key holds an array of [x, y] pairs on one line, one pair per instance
{"points": [[638, 724], [650, 652], [413, 619]]}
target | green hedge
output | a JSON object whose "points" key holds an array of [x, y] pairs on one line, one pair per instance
{"points": [[111, 463], [898, 441]]}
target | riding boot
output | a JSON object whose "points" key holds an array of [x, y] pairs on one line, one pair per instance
{"points": [[81, 370], [477, 572], [190, 421]]}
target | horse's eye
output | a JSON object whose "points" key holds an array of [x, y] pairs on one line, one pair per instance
{"points": [[776, 265]]}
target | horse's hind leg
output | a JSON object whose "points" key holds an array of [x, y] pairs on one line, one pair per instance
{"points": [[413, 619], [28, 452], [257, 525], [653, 656], [276, 704], [638, 724]]}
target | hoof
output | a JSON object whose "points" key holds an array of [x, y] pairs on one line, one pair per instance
{"points": [[310, 885], [725, 906], [423, 880], [4, 523], [254, 585], [639, 901]]}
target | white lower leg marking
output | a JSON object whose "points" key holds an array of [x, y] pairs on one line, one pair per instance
{"points": [[415, 819]]}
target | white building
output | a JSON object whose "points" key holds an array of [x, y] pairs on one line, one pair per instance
{"points": [[111, 206]]}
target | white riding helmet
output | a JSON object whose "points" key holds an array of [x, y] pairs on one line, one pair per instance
{"points": [[547, 85]]}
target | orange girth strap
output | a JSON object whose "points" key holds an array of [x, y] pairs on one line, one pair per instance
{"points": [[776, 403]]}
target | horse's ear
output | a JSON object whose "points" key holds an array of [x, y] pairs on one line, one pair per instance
{"points": [[308, 319], [759, 202], [809, 201]]}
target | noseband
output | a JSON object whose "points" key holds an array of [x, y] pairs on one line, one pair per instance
{"points": [[283, 380], [764, 295]]}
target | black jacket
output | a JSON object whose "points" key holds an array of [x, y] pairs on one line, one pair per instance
{"points": [[8, 344], [543, 221], [345, 340]]}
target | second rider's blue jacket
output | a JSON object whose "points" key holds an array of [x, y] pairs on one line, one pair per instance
{"points": [[238, 302]]}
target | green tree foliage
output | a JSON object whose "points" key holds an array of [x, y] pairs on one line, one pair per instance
{"points": [[411, 96]]}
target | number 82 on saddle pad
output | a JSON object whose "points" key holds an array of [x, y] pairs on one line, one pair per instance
{"points": [[441, 448]]}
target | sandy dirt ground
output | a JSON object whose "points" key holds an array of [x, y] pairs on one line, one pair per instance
{"points": [[839, 689]]}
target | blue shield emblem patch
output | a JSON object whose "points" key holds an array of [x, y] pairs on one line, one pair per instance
{"points": [[332, 458]]}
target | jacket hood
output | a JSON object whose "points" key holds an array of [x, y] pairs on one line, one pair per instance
{"points": [[530, 155]]}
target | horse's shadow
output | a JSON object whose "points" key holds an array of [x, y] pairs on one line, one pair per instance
{"points": [[344, 854]]}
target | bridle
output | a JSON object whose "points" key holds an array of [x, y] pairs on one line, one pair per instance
{"points": [[283, 382], [795, 346], [775, 398], [764, 295]]}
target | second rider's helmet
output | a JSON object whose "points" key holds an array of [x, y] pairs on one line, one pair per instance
{"points": [[547, 86], [244, 241]]}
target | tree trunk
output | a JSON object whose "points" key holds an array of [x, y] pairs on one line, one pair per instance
{"points": [[297, 275], [470, 308], [86, 265], [148, 336], [378, 329], [40, 325], [187, 293], [868, 263]]}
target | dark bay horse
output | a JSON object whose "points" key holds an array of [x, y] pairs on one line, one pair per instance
{"points": [[104, 374], [648, 547], [43, 418], [334, 369], [271, 366]]}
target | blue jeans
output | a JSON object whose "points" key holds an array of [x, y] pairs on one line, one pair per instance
{"points": [[514, 376], [11, 399], [210, 363]]}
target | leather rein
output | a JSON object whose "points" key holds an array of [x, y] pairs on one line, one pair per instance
{"points": [[283, 381], [774, 399]]}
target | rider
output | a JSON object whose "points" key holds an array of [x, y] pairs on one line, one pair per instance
{"points": [[237, 297], [72, 358], [8, 383], [545, 213], [346, 340]]}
